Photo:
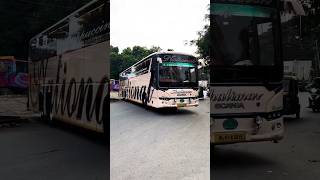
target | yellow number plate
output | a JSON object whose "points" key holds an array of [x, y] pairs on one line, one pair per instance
{"points": [[181, 104], [229, 137]]}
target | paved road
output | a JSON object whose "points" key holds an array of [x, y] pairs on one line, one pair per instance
{"points": [[157, 145], [150, 145], [37, 151], [297, 157]]}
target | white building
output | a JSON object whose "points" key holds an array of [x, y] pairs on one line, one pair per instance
{"points": [[301, 69]]}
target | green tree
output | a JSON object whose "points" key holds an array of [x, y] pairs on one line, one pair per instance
{"points": [[125, 59], [203, 41]]}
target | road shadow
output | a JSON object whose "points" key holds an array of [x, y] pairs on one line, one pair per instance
{"points": [[293, 120], [225, 158], [164, 111], [172, 111], [114, 100], [92, 136], [9, 122]]}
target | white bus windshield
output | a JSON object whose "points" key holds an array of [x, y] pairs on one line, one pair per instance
{"points": [[243, 35]]}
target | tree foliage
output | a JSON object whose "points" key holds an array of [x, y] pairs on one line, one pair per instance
{"points": [[129, 56], [203, 43]]}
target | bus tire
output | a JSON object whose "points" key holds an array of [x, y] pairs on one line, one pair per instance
{"points": [[146, 106], [48, 110], [145, 101]]}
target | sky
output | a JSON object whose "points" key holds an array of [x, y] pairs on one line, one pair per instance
{"points": [[164, 23]]}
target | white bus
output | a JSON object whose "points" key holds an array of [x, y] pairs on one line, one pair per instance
{"points": [[69, 69], [246, 72], [162, 79]]}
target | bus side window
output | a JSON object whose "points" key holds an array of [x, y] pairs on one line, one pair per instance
{"points": [[148, 64], [143, 67]]}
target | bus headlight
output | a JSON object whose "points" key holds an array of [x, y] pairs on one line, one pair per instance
{"points": [[274, 115]]}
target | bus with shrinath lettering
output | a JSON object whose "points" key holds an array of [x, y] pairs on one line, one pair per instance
{"points": [[246, 71], [69, 69], [162, 80]]}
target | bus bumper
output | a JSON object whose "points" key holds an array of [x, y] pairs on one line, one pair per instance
{"points": [[176, 104], [181, 105], [246, 132]]}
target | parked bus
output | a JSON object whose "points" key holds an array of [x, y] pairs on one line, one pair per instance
{"points": [[69, 68], [114, 85], [7, 69], [13, 74], [162, 79], [246, 71]]}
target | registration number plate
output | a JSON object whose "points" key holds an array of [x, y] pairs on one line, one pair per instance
{"points": [[181, 104], [229, 137]]}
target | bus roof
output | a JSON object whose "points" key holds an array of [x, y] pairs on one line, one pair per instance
{"points": [[75, 12], [158, 53], [172, 52]]}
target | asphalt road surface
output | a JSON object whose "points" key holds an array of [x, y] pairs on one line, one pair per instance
{"points": [[152, 145], [159, 145], [296, 157], [34, 150]]}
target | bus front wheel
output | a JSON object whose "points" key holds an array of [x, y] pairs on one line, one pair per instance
{"points": [[47, 114], [145, 101]]}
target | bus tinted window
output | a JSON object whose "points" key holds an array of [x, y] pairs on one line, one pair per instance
{"points": [[243, 35], [84, 28], [142, 68], [177, 74]]}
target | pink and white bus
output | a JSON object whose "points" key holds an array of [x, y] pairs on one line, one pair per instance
{"points": [[69, 68], [162, 79]]}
